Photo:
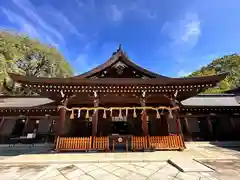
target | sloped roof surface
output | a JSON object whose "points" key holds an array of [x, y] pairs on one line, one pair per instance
{"points": [[23, 102], [224, 100], [212, 100]]}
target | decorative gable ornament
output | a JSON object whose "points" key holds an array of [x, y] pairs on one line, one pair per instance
{"points": [[119, 66]]}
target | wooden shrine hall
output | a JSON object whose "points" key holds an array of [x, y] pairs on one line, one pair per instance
{"points": [[118, 104]]}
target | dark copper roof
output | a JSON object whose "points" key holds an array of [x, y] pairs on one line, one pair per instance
{"points": [[234, 91], [119, 54], [118, 81]]}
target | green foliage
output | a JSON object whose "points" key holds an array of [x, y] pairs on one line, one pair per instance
{"points": [[22, 55], [231, 64]]}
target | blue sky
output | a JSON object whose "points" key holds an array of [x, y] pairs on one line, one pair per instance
{"points": [[170, 37]]}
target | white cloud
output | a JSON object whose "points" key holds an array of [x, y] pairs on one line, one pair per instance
{"points": [[27, 27], [139, 8], [82, 63], [87, 5], [80, 3], [183, 34], [182, 73], [31, 13], [63, 21], [116, 13], [24, 25]]}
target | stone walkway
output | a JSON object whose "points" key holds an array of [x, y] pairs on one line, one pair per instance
{"points": [[38, 164]]}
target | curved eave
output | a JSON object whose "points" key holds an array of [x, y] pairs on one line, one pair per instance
{"points": [[118, 81]]}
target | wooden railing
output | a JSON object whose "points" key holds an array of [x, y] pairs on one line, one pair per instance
{"points": [[73, 143], [139, 142], [172, 142], [101, 143]]}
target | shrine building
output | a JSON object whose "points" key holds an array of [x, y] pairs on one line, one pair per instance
{"points": [[120, 104]]}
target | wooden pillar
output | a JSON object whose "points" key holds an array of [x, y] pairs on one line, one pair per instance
{"points": [[1, 123], [189, 134], [61, 124], [209, 124], [144, 116], [178, 124], [95, 115], [166, 119], [1, 126], [25, 125], [187, 125], [232, 123], [62, 113]]}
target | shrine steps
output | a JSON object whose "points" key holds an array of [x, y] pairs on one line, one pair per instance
{"points": [[137, 143]]}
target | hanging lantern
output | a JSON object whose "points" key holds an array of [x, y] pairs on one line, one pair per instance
{"points": [[79, 113], [120, 114], [72, 115], [104, 114], [158, 115], [87, 114], [134, 113], [170, 116]]}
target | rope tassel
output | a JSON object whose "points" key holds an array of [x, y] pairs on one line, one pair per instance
{"points": [[126, 112], [72, 115], [111, 112], [120, 113], [79, 113], [104, 114], [87, 114], [134, 113], [158, 115], [170, 116], [162, 112]]}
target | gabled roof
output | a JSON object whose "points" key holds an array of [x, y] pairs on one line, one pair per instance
{"points": [[119, 55]]}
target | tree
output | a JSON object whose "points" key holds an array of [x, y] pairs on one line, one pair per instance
{"points": [[22, 55], [231, 64]]}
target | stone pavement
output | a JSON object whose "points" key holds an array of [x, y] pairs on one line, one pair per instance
{"points": [[99, 171], [38, 164]]}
